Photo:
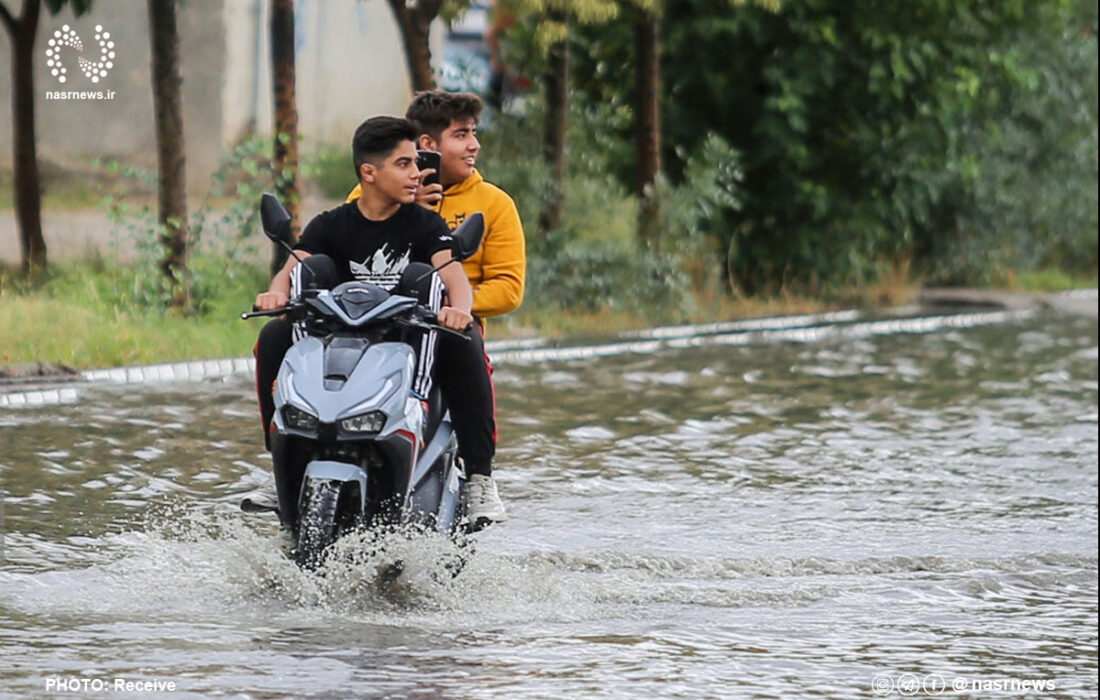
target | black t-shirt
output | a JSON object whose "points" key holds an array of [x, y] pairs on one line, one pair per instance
{"points": [[376, 251]]}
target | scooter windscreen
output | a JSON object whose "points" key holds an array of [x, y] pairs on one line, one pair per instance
{"points": [[358, 298]]}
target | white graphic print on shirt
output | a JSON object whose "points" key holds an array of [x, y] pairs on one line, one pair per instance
{"points": [[382, 269]]}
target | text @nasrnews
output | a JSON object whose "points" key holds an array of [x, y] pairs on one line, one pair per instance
{"points": [[932, 684]]}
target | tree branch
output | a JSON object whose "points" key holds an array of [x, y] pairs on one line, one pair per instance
{"points": [[9, 21], [428, 9]]}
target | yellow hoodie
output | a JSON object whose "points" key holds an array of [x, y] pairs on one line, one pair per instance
{"points": [[498, 269]]}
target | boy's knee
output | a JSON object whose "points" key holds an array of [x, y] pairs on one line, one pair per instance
{"points": [[416, 281], [274, 338], [319, 272]]}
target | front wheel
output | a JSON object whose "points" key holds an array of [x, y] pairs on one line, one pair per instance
{"points": [[320, 521]]}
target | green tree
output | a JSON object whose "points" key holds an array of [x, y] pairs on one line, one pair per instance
{"points": [[647, 118], [866, 131], [286, 121], [545, 28], [1032, 194], [556, 81], [22, 30], [172, 180], [414, 21]]}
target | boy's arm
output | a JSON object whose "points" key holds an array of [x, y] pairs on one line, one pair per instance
{"points": [[278, 292], [456, 315], [503, 262]]}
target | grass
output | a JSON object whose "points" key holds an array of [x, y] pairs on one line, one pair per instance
{"points": [[70, 189], [54, 330], [1048, 280], [90, 314]]}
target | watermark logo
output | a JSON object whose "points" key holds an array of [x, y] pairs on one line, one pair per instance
{"points": [[93, 70]]}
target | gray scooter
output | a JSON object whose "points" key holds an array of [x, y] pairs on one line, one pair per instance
{"points": [[375, 454]]}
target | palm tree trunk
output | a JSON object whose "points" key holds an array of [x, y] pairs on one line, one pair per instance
{"points": [[647, 127], [28, 195], [286, 121], [553, 141], [415, 23], [168, 113]]}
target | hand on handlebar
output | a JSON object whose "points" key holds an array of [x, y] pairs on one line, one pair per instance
{"points": [[269, 301], [455, 319]]}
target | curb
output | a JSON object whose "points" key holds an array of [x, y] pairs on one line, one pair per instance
{"points": [[193, 371], [765, 335], [170, 372]]}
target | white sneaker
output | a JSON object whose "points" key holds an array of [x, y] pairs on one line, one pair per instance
{"points": [[286, 541], [483, 506], [261, 502]]}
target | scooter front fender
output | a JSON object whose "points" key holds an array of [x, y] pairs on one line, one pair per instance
{"points": [[327, 470]]}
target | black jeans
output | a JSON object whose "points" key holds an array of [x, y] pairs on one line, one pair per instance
{"points": [[463, 372]]}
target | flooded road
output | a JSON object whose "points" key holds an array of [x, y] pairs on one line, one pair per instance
{"points": [[841, 516]]}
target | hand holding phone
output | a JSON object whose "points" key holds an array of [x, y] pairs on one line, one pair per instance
{"points": [[426, 160]]}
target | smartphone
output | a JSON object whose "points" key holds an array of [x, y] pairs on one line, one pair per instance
{"points": [[429, 159]]}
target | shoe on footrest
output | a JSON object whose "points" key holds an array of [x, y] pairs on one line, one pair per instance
{"points": [[483, 506], [260, 502]]}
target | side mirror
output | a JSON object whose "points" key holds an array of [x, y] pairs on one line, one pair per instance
{"points": [[467, 237], [274, 218]]}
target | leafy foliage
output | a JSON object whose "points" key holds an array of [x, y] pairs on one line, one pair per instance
{"points": [[591, 262], [545, 21], [222, 230], [329, 168], [961, 135]]}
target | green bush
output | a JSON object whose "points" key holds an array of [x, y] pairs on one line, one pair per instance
{"points": [[592, 261], [329, 168], [222, 232], [959, 135]]}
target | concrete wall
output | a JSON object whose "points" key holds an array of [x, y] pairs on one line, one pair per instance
{"points": [[350, 66]]}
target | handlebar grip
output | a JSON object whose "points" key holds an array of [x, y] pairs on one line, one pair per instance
{"points": [[432, 320], [428, 323], [271, 312], [460, 334]]}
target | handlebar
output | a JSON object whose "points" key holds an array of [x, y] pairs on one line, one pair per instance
{"points": [[291, 307], [425, 320], [270, 312], [429, 323]]}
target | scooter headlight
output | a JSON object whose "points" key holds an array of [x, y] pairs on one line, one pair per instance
{"points": [[297, 419], [372, 422]]}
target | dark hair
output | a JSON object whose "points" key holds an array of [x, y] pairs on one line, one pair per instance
{"points": [[377, 137], [435, 110]]}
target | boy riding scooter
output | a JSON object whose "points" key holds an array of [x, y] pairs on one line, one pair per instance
{"points": [[447, 124], [371, 239]]}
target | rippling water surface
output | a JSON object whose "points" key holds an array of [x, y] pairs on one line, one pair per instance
{"points": [[762, 519]]}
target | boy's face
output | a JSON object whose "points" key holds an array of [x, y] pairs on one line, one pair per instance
{"points": [[458, 146], [397, 176]]}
